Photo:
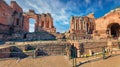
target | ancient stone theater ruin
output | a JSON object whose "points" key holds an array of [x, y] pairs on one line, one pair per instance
{"points": [[86, 37], [81, 27], [108, 26], [43, 21], [14, 23]]}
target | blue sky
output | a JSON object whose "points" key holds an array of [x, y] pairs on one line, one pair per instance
{"points": [[62, 10]]}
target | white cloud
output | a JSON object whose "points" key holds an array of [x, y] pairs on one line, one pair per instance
{"points": [[88, 1], [60, 11], [100, 4], [55, 7]]}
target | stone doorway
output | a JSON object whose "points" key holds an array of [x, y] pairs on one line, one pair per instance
{"points": [[114, 29], [32, 22]]}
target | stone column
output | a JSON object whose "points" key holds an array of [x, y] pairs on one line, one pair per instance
{"points": [[50, 23], [75, 23], [36, 24], [85, 25], [79, 24], [44, 24], [40, 21]]}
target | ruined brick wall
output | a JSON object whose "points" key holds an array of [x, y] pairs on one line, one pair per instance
{"points": [[11, 19], [26, 23], [4, 29], [83, 47], [44, 22], [11, 16], [103, 24], [27, 16], [15, 6], [80, 26], [5, 13], [17, 17], [44, 48], [103, 27], [5, 52], [14, 22]]}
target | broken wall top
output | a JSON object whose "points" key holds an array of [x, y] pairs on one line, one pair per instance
{"points": [[15, 6]]}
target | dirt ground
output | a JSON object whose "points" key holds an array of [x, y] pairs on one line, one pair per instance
{"points": [[58, 61], [110, 62], [49, 61]]}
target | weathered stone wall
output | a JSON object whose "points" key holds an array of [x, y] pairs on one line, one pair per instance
{"points": [[103, 24], [5, 52], [39, 36], [81, 26], [93, 46], [44, 22], [13, 22], [43, 49], [4, 29], [103, 27], [15, 6], [83, 47], [5, 13], [11, 19]]}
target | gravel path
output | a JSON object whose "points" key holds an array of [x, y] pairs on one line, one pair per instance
{"points": [[49, 61], [110, 62]]}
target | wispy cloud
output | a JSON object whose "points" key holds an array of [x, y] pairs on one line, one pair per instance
{"points": [[57, 9], [88, 1], [62, 10]]}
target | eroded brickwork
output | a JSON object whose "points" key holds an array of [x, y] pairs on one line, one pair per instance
{"points": [[99, 28], [10, 20], [44, 22], [5, 52], [108, 25], [14, 24], [80, 27]]}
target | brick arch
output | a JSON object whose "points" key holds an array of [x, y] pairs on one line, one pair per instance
{"points": [[44, 22], [33, 15], [110, 22], [113, 29]]}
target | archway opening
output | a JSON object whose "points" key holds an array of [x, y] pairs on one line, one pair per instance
{"points": [[87, 28], [32, 25], [114, 30]]}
